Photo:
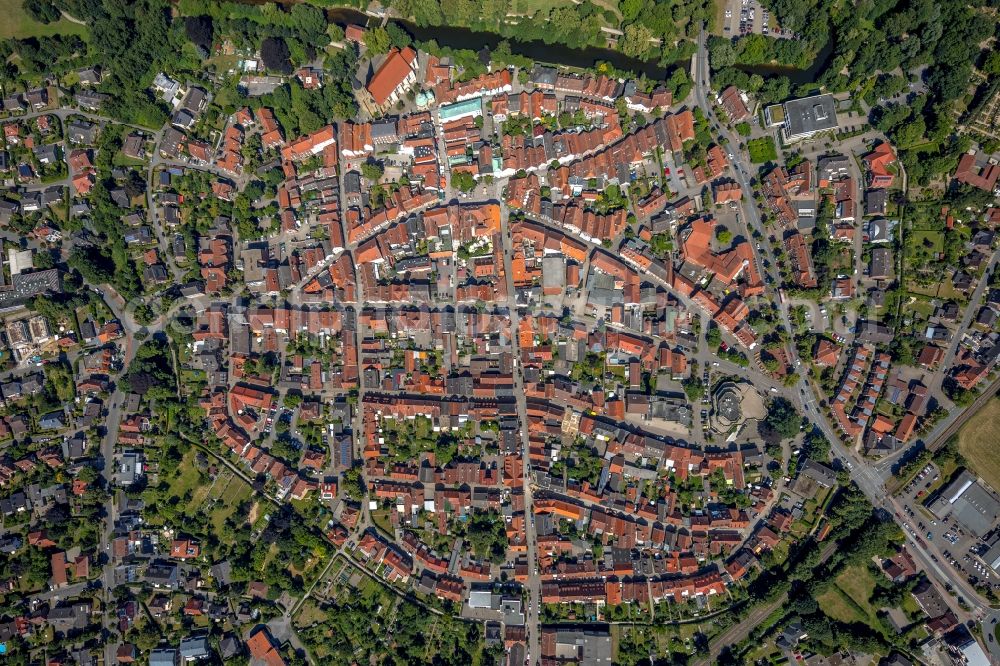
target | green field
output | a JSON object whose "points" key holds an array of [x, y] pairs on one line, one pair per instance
{"points": [[857, 582], [762, 150], [977, 442], [921, 305], [836, 604], [18, 24], [847, 598]]}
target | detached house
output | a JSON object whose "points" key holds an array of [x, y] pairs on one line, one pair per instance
{"points": [[878, 161]]}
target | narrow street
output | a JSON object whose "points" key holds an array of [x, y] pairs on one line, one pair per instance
{"points": [[533, 610]]}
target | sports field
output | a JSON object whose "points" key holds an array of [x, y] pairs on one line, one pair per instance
{"points": [[977, 442]]}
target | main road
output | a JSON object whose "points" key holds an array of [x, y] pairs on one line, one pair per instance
{"points": [[868, 480]]}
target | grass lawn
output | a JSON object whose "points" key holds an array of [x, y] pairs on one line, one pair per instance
{"points": [[381, 519], [920, 305], [762, 150], [120, 159], [19, 25], [977, 442], [188, 481], [847, 598], [836, 604], [909, 606], [234, 494], [857, 582], [780, 552], [310, 613], [943, 289], [946, 469], [933, 239], [530, 7]]}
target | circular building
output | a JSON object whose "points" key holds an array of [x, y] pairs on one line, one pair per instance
{"points": [[733, 404]]}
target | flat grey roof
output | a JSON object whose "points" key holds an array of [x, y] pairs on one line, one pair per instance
{"points": [[810, 115]]}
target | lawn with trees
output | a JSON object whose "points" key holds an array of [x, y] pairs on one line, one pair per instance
{"points": [[762, 150]]}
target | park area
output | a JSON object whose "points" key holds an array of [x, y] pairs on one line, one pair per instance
{"points": [[18, 24], [977, 442]]}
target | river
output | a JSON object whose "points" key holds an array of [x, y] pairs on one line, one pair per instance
{"points": [[795, 76], [554, 54], [559, 54]]}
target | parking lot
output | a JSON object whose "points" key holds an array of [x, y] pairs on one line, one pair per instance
{"points": [[961, 550], [743, 17]]}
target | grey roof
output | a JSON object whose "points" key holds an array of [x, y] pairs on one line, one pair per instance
{"points": [[26, 285], [81, 131], [881, 261], [977, 508], [819, 473], [195, 100], [52, 421], [163, 657], [971, 503], [875, 202], [195, 647], [878, 231], [589, 647], [384, 130], [810, 115], [91, 100]]}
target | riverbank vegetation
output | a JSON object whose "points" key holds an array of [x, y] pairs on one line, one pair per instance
{"points": [[660, 30]]}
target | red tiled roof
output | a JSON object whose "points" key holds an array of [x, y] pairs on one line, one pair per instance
{"points": [[396, 67]]}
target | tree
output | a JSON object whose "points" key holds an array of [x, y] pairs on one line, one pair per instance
{"points": [[199, 30], [630, 9], [372, 171], [398, 36], [635, 40], [42, 11], [721, 53], [275, 55], [782, 420], [694, 389], [775, 89], [724, 235], [377, 40], [992, 63], [95, 267], [464, 181], [487, 536], [713, 336]]}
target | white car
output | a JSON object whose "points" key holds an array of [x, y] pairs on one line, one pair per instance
{"points": [[729, 13]]}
